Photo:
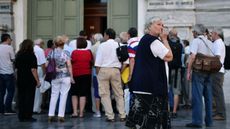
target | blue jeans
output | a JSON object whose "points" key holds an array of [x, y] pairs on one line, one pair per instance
{"points": [[201, 86], [7, 82]]}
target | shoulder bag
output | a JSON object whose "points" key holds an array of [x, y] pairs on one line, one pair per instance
{"points": [[205, 63], [51, 69]]}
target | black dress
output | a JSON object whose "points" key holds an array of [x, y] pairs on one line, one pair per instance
{"points": [[26, 83]]}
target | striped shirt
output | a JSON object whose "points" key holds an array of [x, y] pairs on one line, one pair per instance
{"points": [[132, 46]]}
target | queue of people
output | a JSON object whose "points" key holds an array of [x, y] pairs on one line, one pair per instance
{"points": [[159, 64]]}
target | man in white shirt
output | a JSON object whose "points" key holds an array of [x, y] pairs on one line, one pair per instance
{"points": [[7, 79], [41, 60], [218, 78], [73, 43], [108, 69], [201, 82]]}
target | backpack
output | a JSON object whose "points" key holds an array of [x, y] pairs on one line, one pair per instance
{"points": [[176, 48], [227, 58], [122, 53]]}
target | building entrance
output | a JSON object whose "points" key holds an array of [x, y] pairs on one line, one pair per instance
{"points": [[95, 16]]}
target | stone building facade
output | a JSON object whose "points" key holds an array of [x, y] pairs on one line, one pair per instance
{"points": [[182, 14]]}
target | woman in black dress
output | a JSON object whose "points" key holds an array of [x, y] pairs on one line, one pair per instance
{"points": [[27, 80]]}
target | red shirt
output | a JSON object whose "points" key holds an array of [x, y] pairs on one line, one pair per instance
{"points": [[81, 62]]}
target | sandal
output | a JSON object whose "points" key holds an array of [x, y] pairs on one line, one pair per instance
{"points": [[81, 116], [74, 116]]}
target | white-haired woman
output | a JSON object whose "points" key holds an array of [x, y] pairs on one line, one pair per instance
{"points": [[149, 79], [98, 38], [61, 84]]}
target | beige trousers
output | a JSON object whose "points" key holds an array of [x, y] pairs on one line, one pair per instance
{"points": [[107, 76]]}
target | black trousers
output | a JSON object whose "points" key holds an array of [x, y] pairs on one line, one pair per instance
{"points": [[26, 95]]}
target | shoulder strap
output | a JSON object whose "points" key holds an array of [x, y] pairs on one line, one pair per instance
{"points": [[207, 45], [53, 52], [118, 44]]}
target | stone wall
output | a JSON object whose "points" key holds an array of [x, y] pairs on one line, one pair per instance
{"points": [[6, 16], [175, 13], [184, 14], [214, 13], [7, 19]]}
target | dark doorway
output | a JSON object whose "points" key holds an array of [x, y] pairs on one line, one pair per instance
{"points": [[95, 21], [95, 16]]}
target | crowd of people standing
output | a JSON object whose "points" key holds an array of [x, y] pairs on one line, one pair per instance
{"points": [[159, 64]]}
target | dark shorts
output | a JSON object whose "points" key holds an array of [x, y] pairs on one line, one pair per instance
{"points": [[148, 112], [82, 85]]}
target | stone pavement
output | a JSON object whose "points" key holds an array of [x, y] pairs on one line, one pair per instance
{"points": [[89, 122]]}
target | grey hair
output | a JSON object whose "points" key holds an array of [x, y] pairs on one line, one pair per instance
{"points": [[38, 41], [173, 32], [123, 36], [219, 31], [149, 22], [200, 29], [98, 37]]}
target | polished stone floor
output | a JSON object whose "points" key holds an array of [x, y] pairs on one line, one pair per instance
{"points": [[89, 122]]}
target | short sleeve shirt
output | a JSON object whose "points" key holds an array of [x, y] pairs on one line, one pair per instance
{"points": [[6, 57], [159, 50], [219, 49], [40, 55], [61, 58], [106, 55], [198, 46], [24, 62], [132, 46]]}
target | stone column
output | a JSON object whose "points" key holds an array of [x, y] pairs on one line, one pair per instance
{"points": [[141, 16], [6, 17], [20, 21]]}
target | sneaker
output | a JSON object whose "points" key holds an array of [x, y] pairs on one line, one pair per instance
{"points": [[110, 120], [10, 112], [97, 115], [218, 117], [61, 119], [51, 119], [122, 119]]}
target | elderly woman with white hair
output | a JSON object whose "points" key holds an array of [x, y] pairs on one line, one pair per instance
{"points": [[149, 79], [98, 38]]}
